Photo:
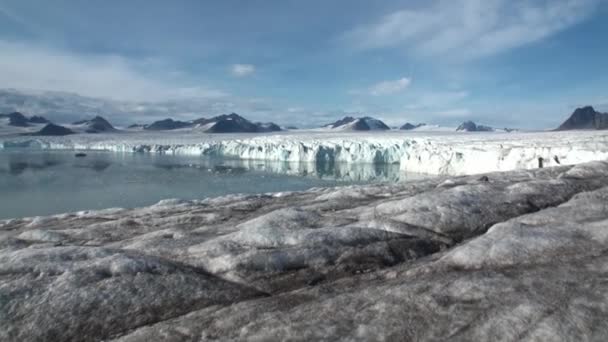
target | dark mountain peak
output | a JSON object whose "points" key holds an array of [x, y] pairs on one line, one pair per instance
{"points": [[468, 126], [98, 118], [585, 109], [16, 114], [234, 116], [38, 119], [585, 118], [365, 123], [232, 123], [96, 125], [17, 119], [225, 123], [231, 116]]}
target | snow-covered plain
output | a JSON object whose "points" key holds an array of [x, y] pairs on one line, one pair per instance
{"points": [[519, 255], [441, 153]]}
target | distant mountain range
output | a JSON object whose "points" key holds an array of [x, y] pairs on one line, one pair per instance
{"points": [[226, 123], [19, 120], [65, 107]]}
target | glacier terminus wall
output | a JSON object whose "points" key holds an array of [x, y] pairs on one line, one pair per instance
{"points": [[445, 153]]}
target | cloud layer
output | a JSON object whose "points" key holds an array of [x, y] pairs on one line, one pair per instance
{"points": [[470, 28], [109, 76]]}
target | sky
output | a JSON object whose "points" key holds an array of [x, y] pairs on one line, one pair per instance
{"points": [[506, 63]]}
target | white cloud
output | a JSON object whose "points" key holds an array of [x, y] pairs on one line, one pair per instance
{"points": [[242, 70], [36, 67], [471, 28], [389, 87]]}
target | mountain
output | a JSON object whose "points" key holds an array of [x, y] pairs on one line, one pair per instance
{"points": [[366, 123], [95, 125], [63, 106], [470, 126], [585, 118], [341, 122], [167, 124], [408, 126], [268, 127], [17, 119], [55, 130], [233, 123], [39, 119], [227, 123]]}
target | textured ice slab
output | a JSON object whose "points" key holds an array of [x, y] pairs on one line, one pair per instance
{"points": [[442, 153], [519, 255]]}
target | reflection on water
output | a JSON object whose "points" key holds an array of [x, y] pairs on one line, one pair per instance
{"points": [[38, 183], [17, 163], [328, 171]]}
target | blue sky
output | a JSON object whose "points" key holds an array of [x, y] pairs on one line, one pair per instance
{"points": [[522, 63]]}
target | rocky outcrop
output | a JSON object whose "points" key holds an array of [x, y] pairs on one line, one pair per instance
{"points": [[585, 118], [467, 258]]}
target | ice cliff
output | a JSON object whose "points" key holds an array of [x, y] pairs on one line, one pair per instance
{"points": [[439, 153]]}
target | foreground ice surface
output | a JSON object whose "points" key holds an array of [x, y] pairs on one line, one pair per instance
{"points": [[442, 153], [520, 255]]}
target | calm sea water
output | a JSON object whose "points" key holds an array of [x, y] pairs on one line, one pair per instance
{"points": [[36, 183]]}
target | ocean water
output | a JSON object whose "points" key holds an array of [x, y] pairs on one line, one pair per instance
{"points": [[36, 183]]}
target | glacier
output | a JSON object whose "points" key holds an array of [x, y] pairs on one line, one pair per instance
{"points": [[518, 255], [437, 153]]}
